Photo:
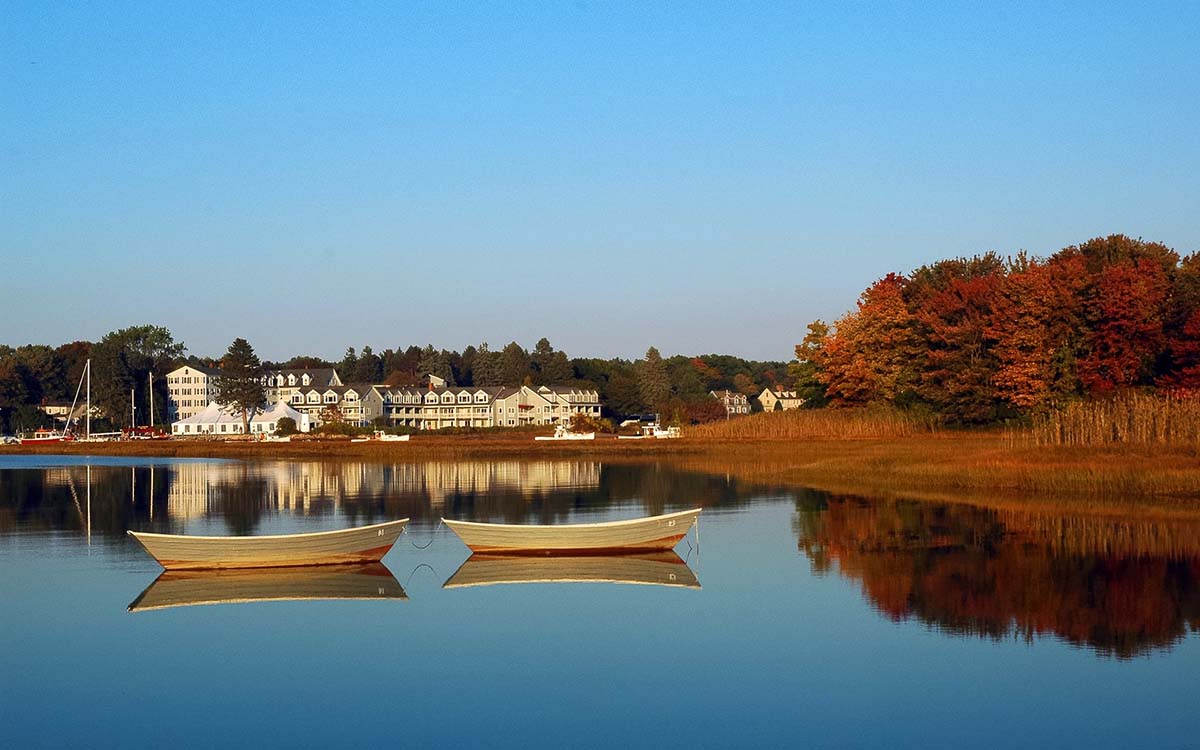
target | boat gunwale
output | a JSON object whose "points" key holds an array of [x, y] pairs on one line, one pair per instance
{"points": [[602, 524], [155, 535]]}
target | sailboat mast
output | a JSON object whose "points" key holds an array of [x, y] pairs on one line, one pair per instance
{"points": [[132, 410], [150, 396], [88, 370]]}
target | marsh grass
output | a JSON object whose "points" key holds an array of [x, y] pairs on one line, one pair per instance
{"points": [[799, 424], [1170, 420]]}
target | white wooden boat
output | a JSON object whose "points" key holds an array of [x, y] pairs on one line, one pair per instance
{"points": [[563, 433], [650, 569], [383, 437], [357, 545], [186, 588], [639, 534]]}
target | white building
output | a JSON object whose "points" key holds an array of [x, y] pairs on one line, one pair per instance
{"points": [[441, 406], [213, 420], [281, 385], [189, 391], [735, 403]]}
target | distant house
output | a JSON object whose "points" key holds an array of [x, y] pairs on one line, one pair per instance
{"points": [[777, 399], [189, 390], [347, 400], [735, 403]]}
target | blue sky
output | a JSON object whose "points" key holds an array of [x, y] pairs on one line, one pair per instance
{"points": [[702, 177]]}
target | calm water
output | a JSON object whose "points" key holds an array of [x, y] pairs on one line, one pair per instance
{"points": [[818, 620]]}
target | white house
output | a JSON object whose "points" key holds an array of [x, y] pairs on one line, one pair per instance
{"points": [[777, 399]]}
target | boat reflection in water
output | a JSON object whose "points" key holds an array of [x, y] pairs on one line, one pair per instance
{"points": [[185, 588], [650, 569]]}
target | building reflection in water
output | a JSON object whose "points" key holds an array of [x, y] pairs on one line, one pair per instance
{"points": [[1120, 587], [198, 490]]}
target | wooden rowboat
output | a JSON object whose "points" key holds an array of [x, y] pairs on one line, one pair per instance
{"points": [[186, 588], [358, 545], [637, 535], [651, 569]]}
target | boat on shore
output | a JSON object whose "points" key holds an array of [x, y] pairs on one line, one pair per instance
{"points": [[382, 437], [189, 588], [361, 544], [635, 535], [561, 432], [664, 568], [43, 435]]}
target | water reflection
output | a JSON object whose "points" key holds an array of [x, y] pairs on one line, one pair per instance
{"points": [[1120, 587], [655, 569], [167, 497], [185, 588]]}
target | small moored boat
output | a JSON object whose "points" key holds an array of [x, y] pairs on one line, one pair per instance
{"points": [[358, 545], [636, 535], [648, 569]]}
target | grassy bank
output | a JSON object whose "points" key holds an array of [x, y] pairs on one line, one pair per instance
{"points": [[941, 463]]}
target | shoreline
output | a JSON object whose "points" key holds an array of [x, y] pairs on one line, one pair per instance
{"points": [[974, 464]]}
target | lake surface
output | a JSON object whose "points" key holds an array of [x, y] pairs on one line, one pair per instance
{"points": [[800, 619]]}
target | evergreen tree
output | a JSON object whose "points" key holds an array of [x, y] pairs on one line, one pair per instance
{"points": [[514, 364], [485, 367], [348, 365], [550, 367], [653, 382], [368, 368], [240, 386]]}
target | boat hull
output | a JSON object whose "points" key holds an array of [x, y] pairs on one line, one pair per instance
{"points": [[647, 569], [358, 545], [637, 535]]}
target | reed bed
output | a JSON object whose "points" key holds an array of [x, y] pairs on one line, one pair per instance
{"points": [[806, 424], [1170, 420]]}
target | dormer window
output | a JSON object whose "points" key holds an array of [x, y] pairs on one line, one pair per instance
{"points": [[464, 398], [331, 398], [306, 379], [313, 398], [292, 380], [447, 398], [297, 399]]}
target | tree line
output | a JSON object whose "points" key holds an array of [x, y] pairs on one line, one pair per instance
{"points": [[124, 360], [986, 338]]}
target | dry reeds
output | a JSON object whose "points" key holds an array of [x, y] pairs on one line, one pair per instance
{"points": [[1170, 420], [800, 424]]}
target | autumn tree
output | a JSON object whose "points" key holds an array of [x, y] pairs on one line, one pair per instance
{"points": [[805, 370], [869, 355]]}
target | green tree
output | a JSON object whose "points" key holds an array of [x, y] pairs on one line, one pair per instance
{"points": [[285, 426], [653, 382], [550, 367], [368, 368], [240, 386], [485, 367], [514, 364], [122, 362]]}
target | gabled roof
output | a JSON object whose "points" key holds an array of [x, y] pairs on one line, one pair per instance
{"points": [[212, 372]]}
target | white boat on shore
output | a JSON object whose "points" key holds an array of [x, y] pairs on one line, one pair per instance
{"points": [[635, 535], [653, 431], [382, 437], [361, 544], [562, 432]]}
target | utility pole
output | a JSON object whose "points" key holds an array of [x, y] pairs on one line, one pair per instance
{"points": [[132, 410]]}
